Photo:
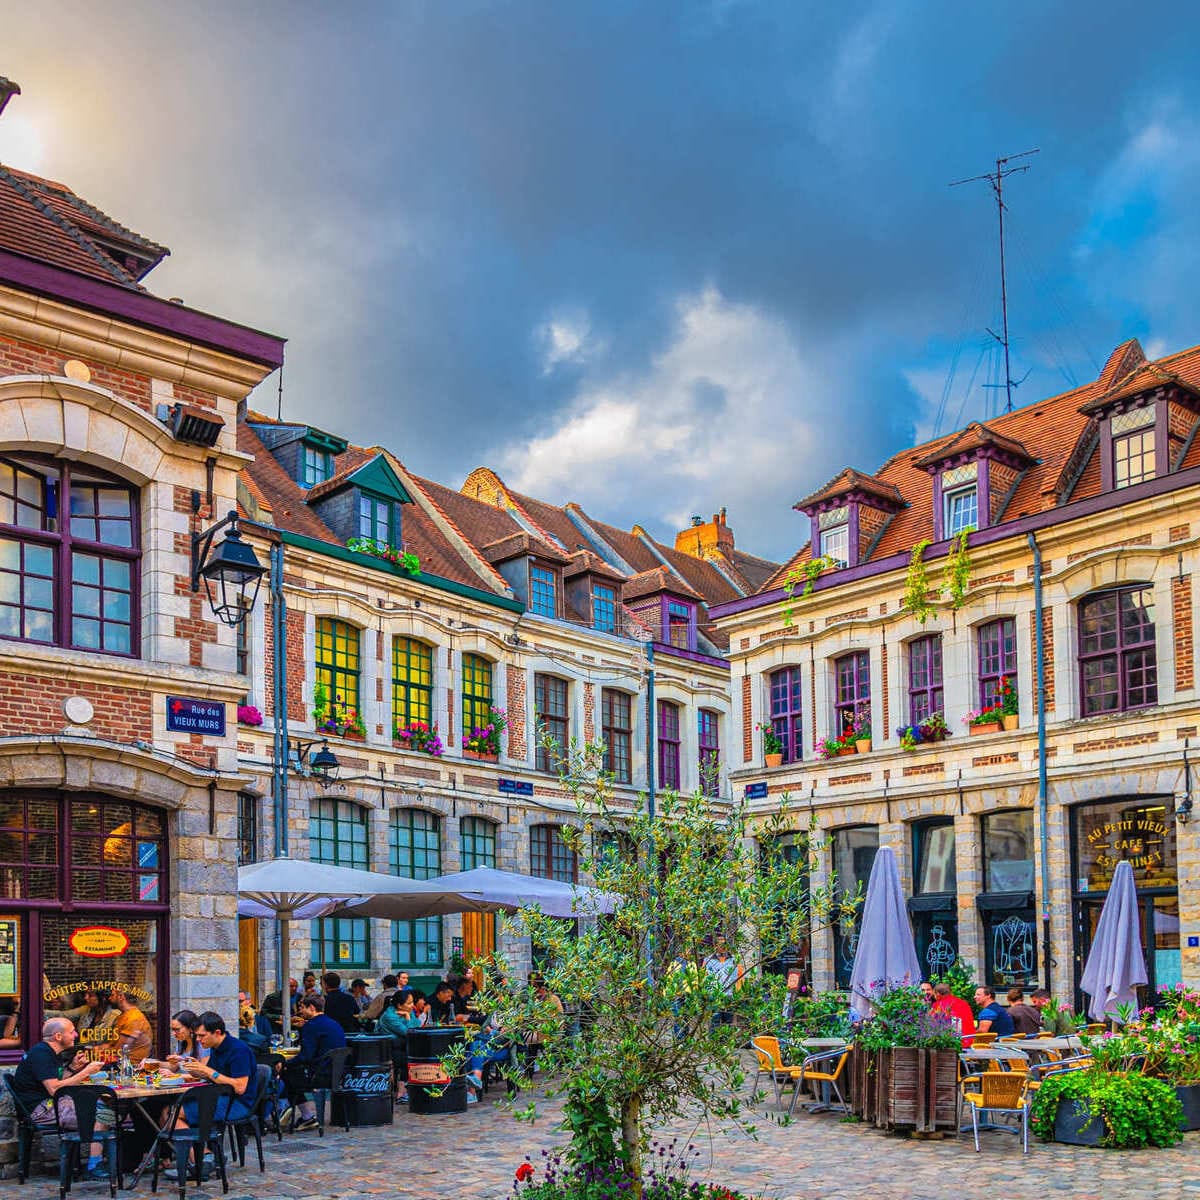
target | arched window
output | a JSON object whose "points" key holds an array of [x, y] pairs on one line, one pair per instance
{"points": [[1118, 669], [553, 720], [412, 682], [997, 658], [668, 745], [338, 668], [338, 835], [786, 714], [709, 739], [852, 676], [69, 553], [616, 728], [476, 692], [415, 852], [924, 678]]}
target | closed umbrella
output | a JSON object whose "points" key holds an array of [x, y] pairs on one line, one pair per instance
{"points": [[886, 956], [1116, 963]]}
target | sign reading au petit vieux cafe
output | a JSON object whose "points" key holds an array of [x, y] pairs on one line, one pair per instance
{"points": [[195, 716]]}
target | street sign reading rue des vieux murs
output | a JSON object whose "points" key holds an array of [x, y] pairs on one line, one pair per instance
{"points": [[185, 715]]}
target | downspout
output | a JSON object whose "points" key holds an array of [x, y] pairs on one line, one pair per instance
{"points": [[1043, 815], [650, 812]]}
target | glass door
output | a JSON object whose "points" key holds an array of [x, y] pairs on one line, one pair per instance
{"points": [[1160, 943]]}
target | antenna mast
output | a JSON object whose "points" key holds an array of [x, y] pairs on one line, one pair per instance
{"points": [[996, 178]]}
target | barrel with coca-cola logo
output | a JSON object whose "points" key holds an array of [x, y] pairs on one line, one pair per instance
{"points": [[369, 1078], [430, 1089]]}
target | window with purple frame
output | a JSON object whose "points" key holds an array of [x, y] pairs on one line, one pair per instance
{"points": [[786, 716], [680, 619], [668, 744], [853, 676], [1117, 665], [924, 678], [710, 752], [997, 658]]}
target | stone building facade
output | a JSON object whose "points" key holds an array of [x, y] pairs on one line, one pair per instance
{"points": [[1081, 523]]}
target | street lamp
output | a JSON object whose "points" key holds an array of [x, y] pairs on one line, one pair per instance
{"points": [[231, 571], [325, 766]]}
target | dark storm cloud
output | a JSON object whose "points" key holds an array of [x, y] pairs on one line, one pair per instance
{"points": [[653, 257]]}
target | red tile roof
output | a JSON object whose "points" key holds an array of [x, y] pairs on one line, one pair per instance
{"points": [[851, 480]]}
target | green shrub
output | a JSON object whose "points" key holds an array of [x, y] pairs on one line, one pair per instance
{"points": [[1136, 1110]]}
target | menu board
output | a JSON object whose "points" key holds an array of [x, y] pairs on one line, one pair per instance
{"points": [[9, 956]]}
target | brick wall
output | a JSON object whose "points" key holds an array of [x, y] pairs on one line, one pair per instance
{"points": [[589, 713], [747, 720], [1181, 608], [1048, 649], [516, 712], [296, 705], [885, 720], [33, 705], [22, 358]]}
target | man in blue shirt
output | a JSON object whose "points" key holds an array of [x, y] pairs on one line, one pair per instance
{"points": [[318, 1035], [230, 1061], [993, 1017]]}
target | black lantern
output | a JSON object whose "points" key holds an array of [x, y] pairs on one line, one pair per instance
{"points": [[231, 571], [325, 766]]}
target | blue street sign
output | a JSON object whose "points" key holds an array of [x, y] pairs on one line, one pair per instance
{"points": [[756, 791], [195, 716], [515, 787]]}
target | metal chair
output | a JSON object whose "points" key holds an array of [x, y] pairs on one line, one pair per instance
{"points": [[27, 1127], [84, 1098], [828, 1078], [983, 1039], [276, 1062], [998, 1092], [770, 1062], [322, 1096], [207, 1134], [242, 1128]]}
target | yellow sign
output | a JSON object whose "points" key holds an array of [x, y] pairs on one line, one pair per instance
{"points": [[99, 941]]}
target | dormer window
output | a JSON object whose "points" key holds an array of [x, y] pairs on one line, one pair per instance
{"points": [[680, 624], [543, 591], [316, 465], [835, 535], [960, 499], [1133, 437], [848, 516], [604, 608], [378, 519]]}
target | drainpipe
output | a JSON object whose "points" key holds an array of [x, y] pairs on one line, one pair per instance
{"points": [[650, 811], [1043, 816]]}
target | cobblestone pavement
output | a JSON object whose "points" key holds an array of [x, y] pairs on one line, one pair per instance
{"points": [[474, 1154]]}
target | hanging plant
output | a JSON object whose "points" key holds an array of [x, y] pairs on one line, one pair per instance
{"points": [[916, 584], [807, 573], [958, 569]]}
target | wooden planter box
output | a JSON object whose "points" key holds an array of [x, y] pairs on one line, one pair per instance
{"points": [[905, 1088]]}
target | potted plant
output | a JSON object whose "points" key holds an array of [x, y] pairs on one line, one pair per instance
{"points": [[860, 731], [335, 717], [983, 720], [934, 728], [904, 1069], [772, 745], [247, 714], [1114, 1109], [837, 747], [483, 742], [404, 559], [910, 736], [418, 735], [1009, 709]]}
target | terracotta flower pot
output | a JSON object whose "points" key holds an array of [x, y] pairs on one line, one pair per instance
{"points": [[990, 727], [863, 745], [1010, 721], [773, 760], [354, 735], [846, 750], [481, 756]]}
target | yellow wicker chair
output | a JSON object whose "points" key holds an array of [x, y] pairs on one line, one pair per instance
{"points": [[1001, 1092], [984, 1039], [770, 1062]]}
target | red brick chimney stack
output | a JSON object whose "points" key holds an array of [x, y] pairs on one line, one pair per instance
{"points": [[702, 538]]}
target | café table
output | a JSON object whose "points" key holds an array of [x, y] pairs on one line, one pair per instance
{"points": [[1039, 1045], [133, 1098], [816, 1045]]}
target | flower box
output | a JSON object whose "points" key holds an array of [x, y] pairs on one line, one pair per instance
{"points": [[1076, 1125], [480, 756], [905, 1088], [844, 750], [989, 727], [354, 735]]}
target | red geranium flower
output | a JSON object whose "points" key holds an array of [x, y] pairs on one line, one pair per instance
{"points": [[524, 1172]]}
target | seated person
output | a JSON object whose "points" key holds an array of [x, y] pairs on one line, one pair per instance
{"points": [[132, 1028], [993, 1017], [959, 1010], [420, 1005], [10, 1022], [187, 1044], [318, 1035], [229, 1062], [441, 1007], [397, 1019], [465, 1012], [41, 1073], [1026, 1019], [340, 1006]]}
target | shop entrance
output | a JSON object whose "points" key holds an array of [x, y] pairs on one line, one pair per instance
{"points": [[1140, 831]]}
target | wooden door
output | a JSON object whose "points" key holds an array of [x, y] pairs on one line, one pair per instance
{"points": [[248, 957]]}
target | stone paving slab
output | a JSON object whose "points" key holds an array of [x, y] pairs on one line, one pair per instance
{"points": [[474, 1154]]}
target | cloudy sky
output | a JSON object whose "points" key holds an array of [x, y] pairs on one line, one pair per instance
{"points": [[653, 257]]}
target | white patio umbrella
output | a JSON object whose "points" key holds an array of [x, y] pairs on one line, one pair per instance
{"points": [[1116, 963], [886, 956], [506, 891], [289, 889]]}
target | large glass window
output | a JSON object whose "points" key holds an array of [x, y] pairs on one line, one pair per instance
{"points": [[553, 721], [415, 852], [835, 544], [616, 724], [854, 851], [476, 693], [997, 643], [316, 466], [934, 905], [786, 716], [853, 679], [412, 682], [543, 591], [338, 835], [924, 678], [377, 519], [1117, 663], [67, 578], [962, 510], [1133, 458], [708, 736], [247, 828], [604, 608], [668, 745], [338, 668], [550, 857], [477, 848], [1006, 904]]}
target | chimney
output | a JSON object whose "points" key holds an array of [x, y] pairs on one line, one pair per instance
{"points": [[702, 539], [8, 89]]}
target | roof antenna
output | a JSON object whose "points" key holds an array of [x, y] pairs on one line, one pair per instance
{"points": [[279, 397], [996, 178]]}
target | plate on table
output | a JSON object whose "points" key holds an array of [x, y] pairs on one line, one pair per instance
{"points": [[98, 1076], [170, 1080]]}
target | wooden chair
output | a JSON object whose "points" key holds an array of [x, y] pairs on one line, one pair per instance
{"points": [[1002, 1092], [770, 1062], [826, 1077]]}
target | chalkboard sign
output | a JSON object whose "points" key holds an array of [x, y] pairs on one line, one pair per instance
{"points": [[374, 1079]]}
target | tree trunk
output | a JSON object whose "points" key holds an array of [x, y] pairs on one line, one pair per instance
{"points": [[631, 1142]]}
